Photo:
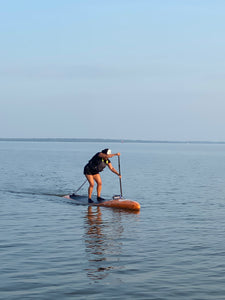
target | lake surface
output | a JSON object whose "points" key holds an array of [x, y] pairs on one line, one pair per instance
{"points": [[173, 249]]}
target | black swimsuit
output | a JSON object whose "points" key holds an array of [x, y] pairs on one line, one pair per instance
{"points": [[95, 165]]}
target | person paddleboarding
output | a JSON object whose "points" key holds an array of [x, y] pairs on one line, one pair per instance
{"points": [[92, 169]]}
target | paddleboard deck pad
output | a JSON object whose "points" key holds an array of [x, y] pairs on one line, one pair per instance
{"points": [[116, 202]]}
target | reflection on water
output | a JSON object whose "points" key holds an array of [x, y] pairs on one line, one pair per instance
{"points": [[103, 242]]}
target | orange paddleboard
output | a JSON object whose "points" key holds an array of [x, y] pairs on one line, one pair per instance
{"points": [[113, 203], [120, 203]]}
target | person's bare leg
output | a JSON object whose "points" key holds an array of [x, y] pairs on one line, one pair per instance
{"points": [[98, 180], [90, 179]]}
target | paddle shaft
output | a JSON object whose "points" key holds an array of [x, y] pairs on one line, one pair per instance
{"points": [[121, 193]]}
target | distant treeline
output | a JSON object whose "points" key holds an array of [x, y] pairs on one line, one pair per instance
{"points": [[103, 140]]}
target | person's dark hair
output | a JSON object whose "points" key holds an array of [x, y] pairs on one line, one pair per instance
{"points": [[105, 151]]}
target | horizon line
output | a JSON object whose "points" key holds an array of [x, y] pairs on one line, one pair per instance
{"points": [[111, 140]]}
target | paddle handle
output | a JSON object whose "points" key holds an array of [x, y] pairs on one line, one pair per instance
{"points": [[121, 193]]}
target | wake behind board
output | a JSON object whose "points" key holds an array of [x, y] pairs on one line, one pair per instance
{"points": [[116, 202]]}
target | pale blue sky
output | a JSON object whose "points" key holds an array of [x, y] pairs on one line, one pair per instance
{"points": [[129, 69]]}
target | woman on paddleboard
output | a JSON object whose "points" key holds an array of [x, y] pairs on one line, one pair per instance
{"points": [[96, 165]]}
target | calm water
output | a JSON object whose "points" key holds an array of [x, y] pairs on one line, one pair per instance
{"points": [[52, 249]]}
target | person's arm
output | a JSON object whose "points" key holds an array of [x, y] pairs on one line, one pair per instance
{"points": [[106, 156], [113, 170]]}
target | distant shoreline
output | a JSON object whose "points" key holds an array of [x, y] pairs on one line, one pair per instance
{"points": [[96, 140]]}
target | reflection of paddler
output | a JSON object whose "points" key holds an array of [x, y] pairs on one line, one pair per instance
{"points": [[94, 220], [94, 233], [98, 240], [96, 165], [95, 244], [103, 239]]}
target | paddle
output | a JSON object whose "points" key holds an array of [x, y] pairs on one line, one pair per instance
{"points": [[121, 193]]}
